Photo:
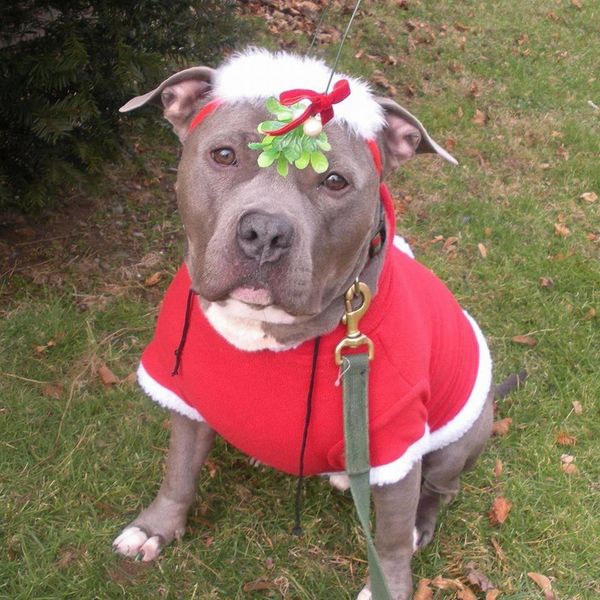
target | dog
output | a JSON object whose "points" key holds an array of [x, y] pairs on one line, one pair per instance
{"points": [[269, 256]]}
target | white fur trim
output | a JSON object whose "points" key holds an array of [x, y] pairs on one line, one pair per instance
{"points": [[243, 333], [403, 245], [165, 397], [449, 433], [258, 74]]}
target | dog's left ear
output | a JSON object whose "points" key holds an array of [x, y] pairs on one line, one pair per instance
{"points": [[404, 136]]}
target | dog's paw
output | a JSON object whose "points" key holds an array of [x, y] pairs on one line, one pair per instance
{"points": [[134, 542], [365, 594], [340, 481]]}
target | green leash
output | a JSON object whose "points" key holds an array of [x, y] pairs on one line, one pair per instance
{"points": [[355, 369]]}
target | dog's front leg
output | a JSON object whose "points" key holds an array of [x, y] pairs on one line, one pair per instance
{"points": [[395, 513], [164, 520]]}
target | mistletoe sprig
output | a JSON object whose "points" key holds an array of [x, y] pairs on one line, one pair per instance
{"points": [[294, 147]]}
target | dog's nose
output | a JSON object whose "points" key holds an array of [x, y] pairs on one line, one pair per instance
{"points": [[265, 237]]}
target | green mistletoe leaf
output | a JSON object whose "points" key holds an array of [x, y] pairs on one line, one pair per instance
{"points": [[302, 162], [282, 166], [267, 158], [319, 162]]}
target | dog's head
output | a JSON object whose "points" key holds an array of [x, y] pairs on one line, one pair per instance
{"points": [[269, 253]]}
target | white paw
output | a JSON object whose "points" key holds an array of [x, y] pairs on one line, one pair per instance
{"points": [[254, 462], [365, 594], [340, 481], [133, 542], [415, 539]]}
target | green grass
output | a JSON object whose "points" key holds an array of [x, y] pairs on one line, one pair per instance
{"points": [[77, 467]]}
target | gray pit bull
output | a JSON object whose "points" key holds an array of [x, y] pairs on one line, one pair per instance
{"points": [[268, 259]]}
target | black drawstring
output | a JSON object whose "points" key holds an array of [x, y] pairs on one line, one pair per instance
{"points": [[297, 526], [186, 326]]}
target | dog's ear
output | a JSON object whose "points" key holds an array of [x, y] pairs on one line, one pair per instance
{"points": [[181, 96], [404, 136]]}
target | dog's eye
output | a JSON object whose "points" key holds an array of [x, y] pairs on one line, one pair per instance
{"points": [[335, 182], [224, 156]]}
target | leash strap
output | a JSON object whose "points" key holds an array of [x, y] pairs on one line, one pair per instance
{"points": [[356, 441]]}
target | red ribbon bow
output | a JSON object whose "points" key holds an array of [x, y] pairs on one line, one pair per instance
{"points": [[319, 104]]}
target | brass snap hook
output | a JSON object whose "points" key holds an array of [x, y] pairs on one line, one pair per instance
{"points": [[354, 338]]}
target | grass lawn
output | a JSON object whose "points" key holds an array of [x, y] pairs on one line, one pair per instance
{"points": [[512, 89]]}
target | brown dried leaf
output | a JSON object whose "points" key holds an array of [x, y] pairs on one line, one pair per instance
{"points": [[544, 583], [590, 314], [569, 469], [561, 230], [501, 426], [153, 279], [546, 282], [259, 584], [499, 511], [461, 26], [480, 118], [525, 340], [107, 376], [446, 584], [492, 594], [482, 250], [498, 468], [553, 16], [589, 197], [577, 407], [450, 244], [466, 594], [499, 550], [478, 579], [578, 4], [564, 439], [424, 592], [53, 390]]}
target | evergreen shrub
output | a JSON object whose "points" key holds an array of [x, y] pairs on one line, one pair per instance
{"points": [[67, 65]]}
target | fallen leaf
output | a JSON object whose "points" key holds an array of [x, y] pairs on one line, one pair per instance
{"points": [[589, 197], [446, 584], [107, 376], [499, 511], [450, 244], [480, 118], [67, 556], [474, 91], [577, 407], [590, 314], [544, 583], [498, 468], [424, 592], [499, 550], [564, 439], [259, 584], [563, 153], [578, 4], [492, 594], [466, 594], [501, 426], [482, 250], [553, 16], [450, 144], [131, 379], [525, 340], [53, 390], [561, 230], [129, 572], [567, 464], [153, 279], [487, 231], [478, 579], [546, 282], [461, 26]]}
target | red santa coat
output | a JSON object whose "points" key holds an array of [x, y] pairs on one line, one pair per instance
{"points": [[428, 382]]}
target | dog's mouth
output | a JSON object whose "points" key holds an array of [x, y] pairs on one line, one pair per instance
{"points": [[258, 297]]}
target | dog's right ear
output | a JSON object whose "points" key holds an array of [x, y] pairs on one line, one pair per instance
{"points": [[181, 96]]}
